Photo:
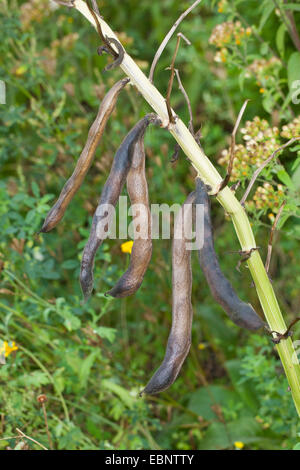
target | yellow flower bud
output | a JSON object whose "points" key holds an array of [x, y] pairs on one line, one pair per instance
{"points": [[239, 445], [126, 247]]}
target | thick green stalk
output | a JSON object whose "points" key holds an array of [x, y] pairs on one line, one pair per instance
{"points": [[227, 199]]}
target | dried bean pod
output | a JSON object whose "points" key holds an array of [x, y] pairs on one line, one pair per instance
{"points": [[84, 162], [137, 189], [239, 312], [179, 340], [110, 195]]}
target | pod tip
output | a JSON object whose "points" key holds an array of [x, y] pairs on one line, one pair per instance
{"points": [[42, 230], [86, 282], [117, 291], [85, 299], [47, 226]]}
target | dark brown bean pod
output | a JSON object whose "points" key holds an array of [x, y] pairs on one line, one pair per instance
{"points": [[110, 195], [239, 312], [137, 188], [179, 340], [84, 162]]}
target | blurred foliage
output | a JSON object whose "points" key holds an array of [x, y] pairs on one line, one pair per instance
{"points": [[92, 359]]}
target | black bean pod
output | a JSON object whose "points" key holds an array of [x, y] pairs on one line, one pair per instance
{"points": [[110, 195], [137, 189], [241, 313], [179, 340]]}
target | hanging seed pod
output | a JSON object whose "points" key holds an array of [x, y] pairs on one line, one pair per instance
{"points": [[109, 198], [179, 340], [84, 162], [137, 188], [239, 312]]}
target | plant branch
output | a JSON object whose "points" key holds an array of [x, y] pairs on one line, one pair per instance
{"points": [[95, 7], [168, 37], [227, 199], [186, 97], [270, 243], [171, 80], [21, 434], [232, 148], [288, 19]]}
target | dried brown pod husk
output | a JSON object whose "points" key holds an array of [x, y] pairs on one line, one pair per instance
{"points": [[109, 198], [140, 257], [179, 340], [84, 162]]}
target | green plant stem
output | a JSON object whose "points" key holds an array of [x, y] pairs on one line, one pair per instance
{"points": [[227, 199], [287, 18], [43, 368], [145, 431], [41, 301]]}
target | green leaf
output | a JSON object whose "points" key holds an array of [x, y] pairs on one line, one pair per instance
{"points": [[291, 6], [285, 178], [296, 176], [267, 8], [59, 107], [59, 379], [30, 216], [69, 264], [35, 379], [268, 103], [296, 162], [71, 322], [280, 39], [106, 333], [264, 48], [245, 390], [297, 446], [121, 392], [286, 101], [86, 366], [293, 69], [203, 400], [242, 77], [220, 436], [35, 189]]}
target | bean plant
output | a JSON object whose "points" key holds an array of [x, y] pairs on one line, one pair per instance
{"points": [[71, 368]]}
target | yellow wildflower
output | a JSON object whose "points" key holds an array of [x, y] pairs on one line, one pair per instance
{"points": [[221, 6], [21, 70], [7, 348], [127, 247], [239, 445], [261, 90], [201, 346]]}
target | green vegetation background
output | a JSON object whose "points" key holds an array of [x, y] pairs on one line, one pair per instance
{"points": [[92, 359]]}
